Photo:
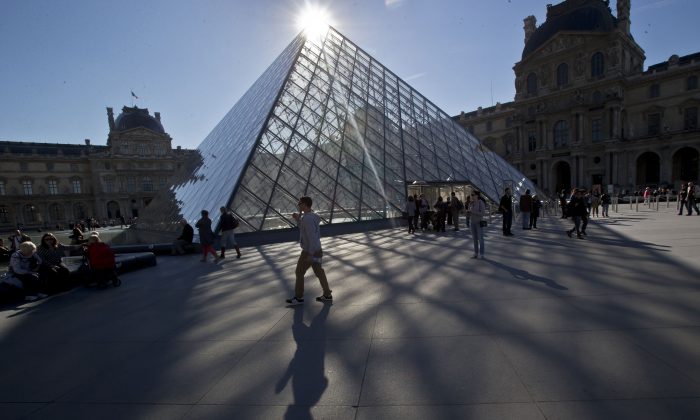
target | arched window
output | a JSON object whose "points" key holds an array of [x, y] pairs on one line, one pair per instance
{"points": [[597, 65], [691, 83], [562, 75], [29, 213], [561, 134], [532, 84], [55, 212]]}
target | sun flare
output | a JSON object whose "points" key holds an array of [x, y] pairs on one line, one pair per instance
{"points": [[314, 21]]}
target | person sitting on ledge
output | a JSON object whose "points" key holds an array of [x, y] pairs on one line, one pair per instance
{"points": [[52, 270], [184, 239], [102, 263], [24, 266]]}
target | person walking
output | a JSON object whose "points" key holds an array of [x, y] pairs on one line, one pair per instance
{"points": [[228, 224], [605, 203], [682, 198], [576, 209], [311, 253], [411, 214], [505, 207], [536, 205], [477, 210], [423, 207], [441, 213], [455, 208], [206, 236], [691, 197], [526, 209]]}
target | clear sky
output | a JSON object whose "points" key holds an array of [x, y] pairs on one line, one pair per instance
{"points": [[64, 61]]}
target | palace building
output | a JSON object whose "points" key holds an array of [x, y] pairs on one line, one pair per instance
{"points": [[49, 185], [587, 114]]}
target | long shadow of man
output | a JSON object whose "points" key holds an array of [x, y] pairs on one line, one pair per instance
{"points": [[306, 369]]}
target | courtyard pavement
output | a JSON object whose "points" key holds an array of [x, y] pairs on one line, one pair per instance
{"points": [[545, 327]]}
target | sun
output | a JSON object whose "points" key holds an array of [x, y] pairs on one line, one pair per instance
{"points": [[314, 21]]}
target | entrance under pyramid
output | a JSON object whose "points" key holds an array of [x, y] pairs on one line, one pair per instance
{"points": [[329, 121]]}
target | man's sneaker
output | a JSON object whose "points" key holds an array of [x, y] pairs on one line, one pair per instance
{"points": [[295, 301], [324, 298], [568, 232], [475, 256]]}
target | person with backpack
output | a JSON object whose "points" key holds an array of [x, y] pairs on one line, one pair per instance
{"points": [[455, 207], [206, 236], [477, 210], [691, 197], [228, 223]]}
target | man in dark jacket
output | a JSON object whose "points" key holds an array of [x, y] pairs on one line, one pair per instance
{"points": [[577, 210], [505, 207], [184, 239], [526, 209]]}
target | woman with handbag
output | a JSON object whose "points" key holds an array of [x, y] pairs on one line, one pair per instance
{"points": [[477, 210]]}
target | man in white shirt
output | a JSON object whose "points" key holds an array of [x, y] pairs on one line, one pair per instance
{"points": [[311, 253]]}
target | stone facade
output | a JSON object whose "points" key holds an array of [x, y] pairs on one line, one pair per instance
{"points": [[45, 185], [586, 114]]}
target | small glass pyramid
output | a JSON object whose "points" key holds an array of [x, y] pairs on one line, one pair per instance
{"points": [[329, 121]]}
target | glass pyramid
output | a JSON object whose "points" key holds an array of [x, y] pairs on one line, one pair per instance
{"points": [[329, 121]]}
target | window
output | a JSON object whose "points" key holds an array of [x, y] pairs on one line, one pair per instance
{"points": [[159, 149], [147, 184], [108, 165], [49, 166], [27, 187], [531, 141], [654, 90], [597, 129], [162, 182], [489, 126], [124, 149], [691, 83], [2, 188], [140, 149], [131, 184], [74, 167], [597, 65], [561, 134], [109, 185], [654, 123], [23, 166], [532, 84], [76, 186], [79, 211], [562, 75], [53, 187], [3, 214], [690, 120]]}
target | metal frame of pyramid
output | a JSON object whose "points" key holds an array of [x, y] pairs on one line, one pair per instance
{"points": [[329, 121]]}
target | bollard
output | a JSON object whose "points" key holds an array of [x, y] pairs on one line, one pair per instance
{"points": [[668, 199], [657, 202], [636, 203], [631, 202]]}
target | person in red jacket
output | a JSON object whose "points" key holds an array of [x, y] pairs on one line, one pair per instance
{"points": [[101, 260]]}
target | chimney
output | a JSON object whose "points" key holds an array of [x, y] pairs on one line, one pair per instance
{"points": [[157, 115], [87, 142], [529, 27], [623, 15], [110, 118]]}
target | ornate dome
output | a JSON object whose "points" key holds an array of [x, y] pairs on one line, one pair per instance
{"points": [[137, 117], [575, 16]]}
